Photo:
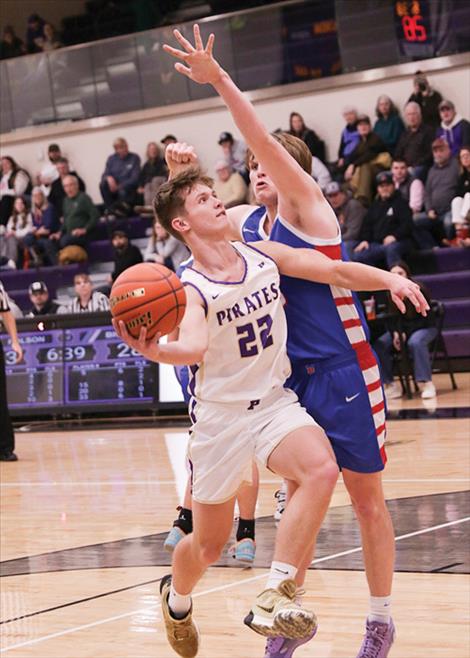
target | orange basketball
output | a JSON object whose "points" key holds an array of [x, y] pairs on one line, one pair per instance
{"points": [[148, 295]]}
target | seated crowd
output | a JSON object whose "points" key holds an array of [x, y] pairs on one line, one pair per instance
{"points": [[397, 186]]}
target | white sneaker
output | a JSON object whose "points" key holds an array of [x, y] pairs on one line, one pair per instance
{"points": [[11, 264], [429, 391], [393, 391]]}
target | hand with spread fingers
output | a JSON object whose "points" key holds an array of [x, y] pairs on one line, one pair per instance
{"points": [[200, 66], [401, 288]]}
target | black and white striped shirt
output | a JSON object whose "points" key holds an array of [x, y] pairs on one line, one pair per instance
{"points": [[4, 306], [97, 302]]}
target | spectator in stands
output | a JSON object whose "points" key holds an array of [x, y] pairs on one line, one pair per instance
{"points": [[50, 173], [87, 300], [120, 179], [51, 40], [153, 174], [42, 304], [45, 223], [80, 216], [389, 125], [125, 253], [411, 189], [11, 45], [435, 224], [57, 193], [350, 214], [298, 128], [349, 137], [34, 33], [461, 202], [368, 157], [234, 153], [428, 99], [414, 146], [163, 248], [18, 226], [14, 182], [229, 186], [417, 334], [387, 227], [454, 129], [320, 172], [168, 139]]}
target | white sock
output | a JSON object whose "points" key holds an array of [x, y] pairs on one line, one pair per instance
{"points": [[179, 603], [380, 608], [280, 571]]}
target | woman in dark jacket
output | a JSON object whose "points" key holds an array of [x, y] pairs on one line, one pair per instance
{"points": [[417, 333], [298, 128]]}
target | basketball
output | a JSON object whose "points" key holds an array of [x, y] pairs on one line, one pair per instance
{"points": [[148, 295]]}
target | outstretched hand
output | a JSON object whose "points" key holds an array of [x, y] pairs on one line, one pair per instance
{"points": [[200, 66], [402, 288]]}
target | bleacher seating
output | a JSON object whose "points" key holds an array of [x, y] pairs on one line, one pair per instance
{"points": [[451, 286]]}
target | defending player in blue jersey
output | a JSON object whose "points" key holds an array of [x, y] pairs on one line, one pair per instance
{"points": [[334, 369]]}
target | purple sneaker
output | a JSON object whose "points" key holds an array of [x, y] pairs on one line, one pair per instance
{"points": [[279, 647], [377, 640]]}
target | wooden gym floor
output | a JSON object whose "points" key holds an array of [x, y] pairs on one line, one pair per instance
{"points": [[84, 514]]}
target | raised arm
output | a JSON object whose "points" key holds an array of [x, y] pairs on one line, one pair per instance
{"points": [[301, 201], [192, 341], [312, 265], [179, 156]]}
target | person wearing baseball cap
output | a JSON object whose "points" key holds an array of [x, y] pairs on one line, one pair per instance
{"points": [[349, 212], [168, 139], [234, 153], [40, 300], [435, 225], [386, 233], [369, 155], [454, 129]]}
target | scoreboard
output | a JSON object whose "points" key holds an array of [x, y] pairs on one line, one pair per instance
{"points": [[77, 368]]}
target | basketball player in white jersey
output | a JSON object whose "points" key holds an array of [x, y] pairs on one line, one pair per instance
{"points": [[305, 220], [234, 334]]}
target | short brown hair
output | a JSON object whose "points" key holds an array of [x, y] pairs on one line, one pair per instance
{"points": [[81, 275], [294, 146], [171, 197]]}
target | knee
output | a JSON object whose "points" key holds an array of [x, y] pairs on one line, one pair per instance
{"points": [[209, 552], [325, 473], [368, 509]]}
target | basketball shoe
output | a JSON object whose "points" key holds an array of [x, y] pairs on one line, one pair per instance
{"points": [[377, 640], [244, 551], [182, 634], [279, 647], [275, 613]]}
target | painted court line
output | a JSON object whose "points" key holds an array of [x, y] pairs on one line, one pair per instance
{"points": [[114, 483], [220, 588]]}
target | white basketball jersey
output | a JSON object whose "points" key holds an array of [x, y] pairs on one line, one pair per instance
{"points": [[247, 357]]}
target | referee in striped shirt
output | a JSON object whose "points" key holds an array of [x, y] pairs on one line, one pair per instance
{"points": [[7, 437]]}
